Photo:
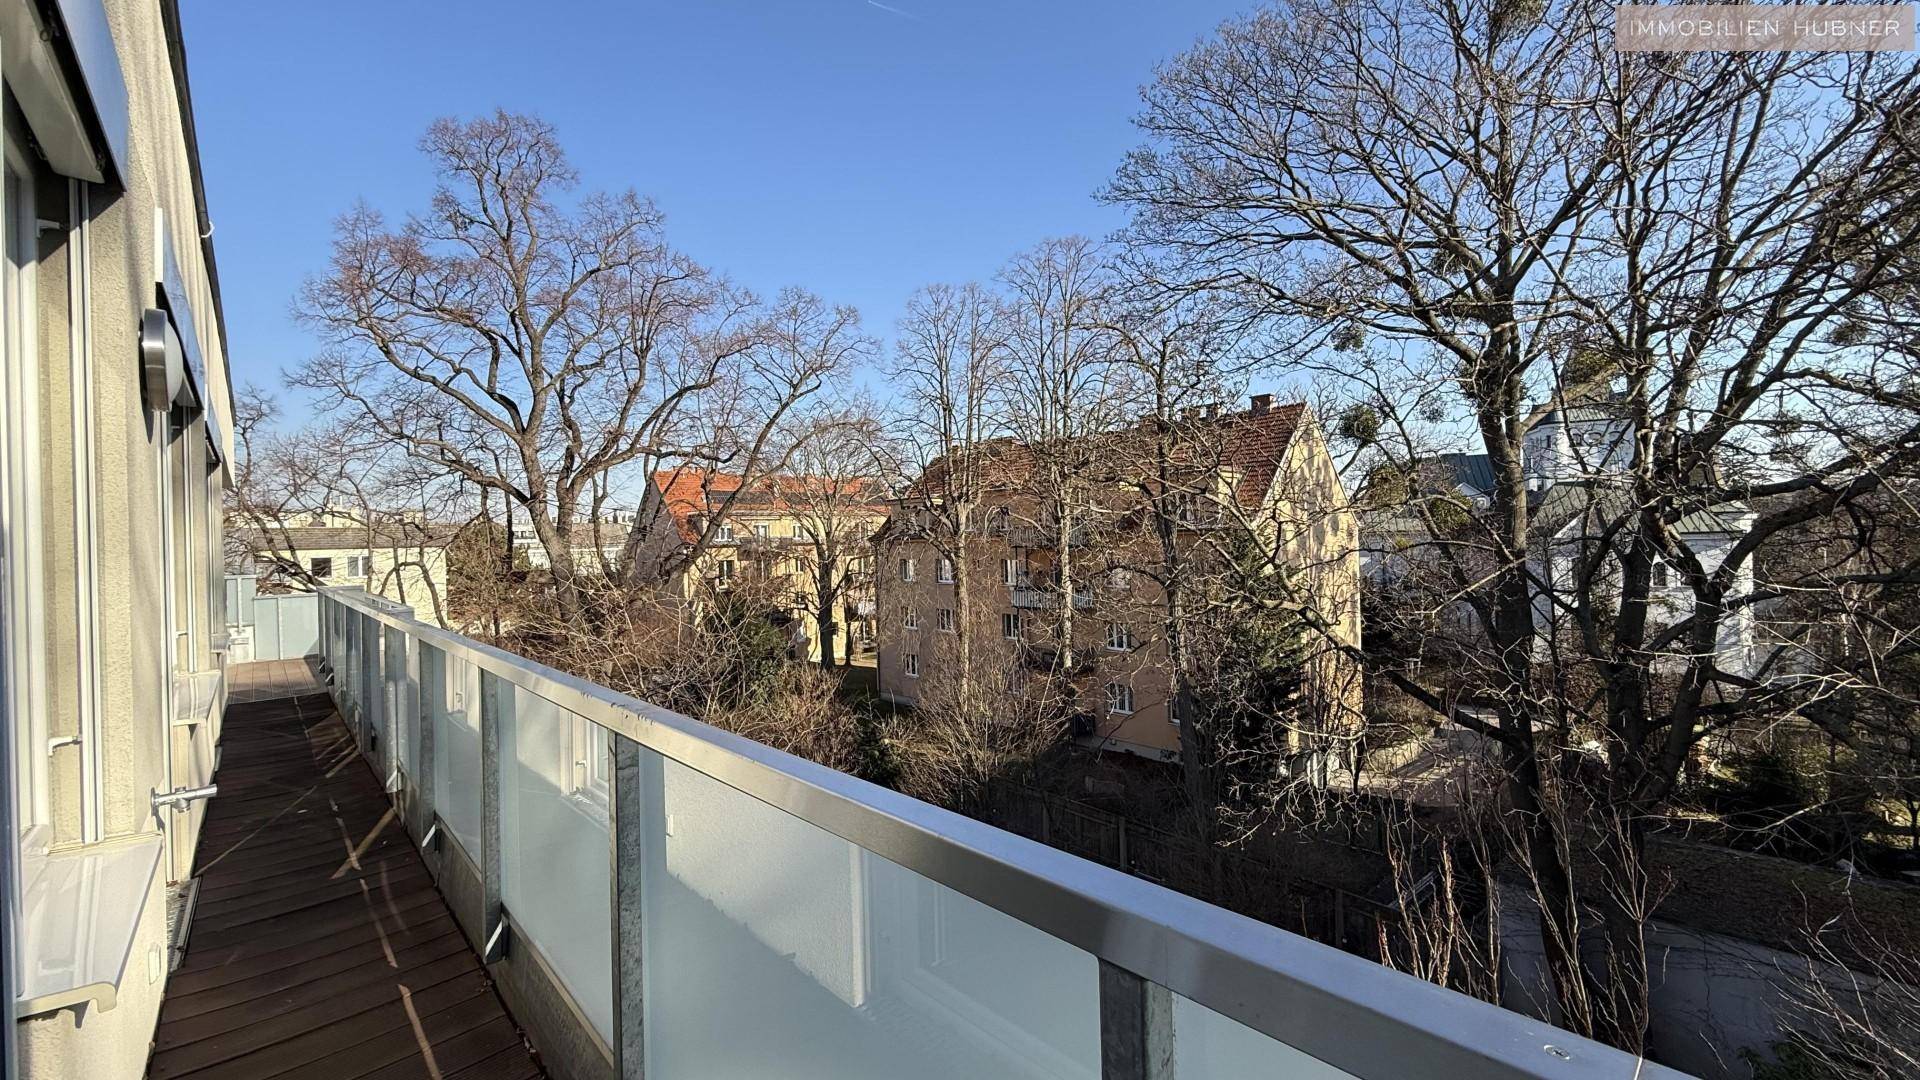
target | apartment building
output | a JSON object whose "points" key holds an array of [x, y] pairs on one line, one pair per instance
{"points": [[115, 439], [797, 537], [402, 557], [1264, 472], [594, 546]]}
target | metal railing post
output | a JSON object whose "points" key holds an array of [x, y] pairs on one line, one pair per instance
{"points": [[1136, 1026], [350, 681], [627, 820], [491, 910], [372, 644]]}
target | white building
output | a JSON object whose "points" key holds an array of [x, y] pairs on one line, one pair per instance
{"points": [[1573, 462]]}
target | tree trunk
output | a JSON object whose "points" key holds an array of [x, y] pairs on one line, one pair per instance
{"points": [[963, 606], [566, 585], [829, 603]]}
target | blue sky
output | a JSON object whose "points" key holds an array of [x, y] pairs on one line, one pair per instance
{"points": [[858, 148]]}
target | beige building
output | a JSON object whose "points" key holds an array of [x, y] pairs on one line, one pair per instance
{"points": [[114, 443], [1266, 471], [791, 535], [401, 559]]}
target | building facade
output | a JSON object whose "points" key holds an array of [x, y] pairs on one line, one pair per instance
{"points": [[1265, 474], [795, 538], [402, 558], [115, 442], [1575, 463]]}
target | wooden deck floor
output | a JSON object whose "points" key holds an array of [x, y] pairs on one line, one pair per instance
{"points": [[319, 946]]}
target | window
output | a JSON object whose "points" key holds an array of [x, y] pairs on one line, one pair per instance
{"points": [[725, 570], [799, 531], [943, 571], [761, 532], [1119, 699], [997, 521], [1010, 571], [943, 620], [906, 569], [723, 533], [909, 618], [1119, 637], [587, 745], [357, 566], [321, 568], [1010, 625], [910, 663], [1662, 575]]}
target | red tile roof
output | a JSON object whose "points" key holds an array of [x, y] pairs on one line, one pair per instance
{"points": [[687, 492], [1252, 443]]}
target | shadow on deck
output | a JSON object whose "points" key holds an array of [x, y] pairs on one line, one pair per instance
{"points": [[319, 946]]}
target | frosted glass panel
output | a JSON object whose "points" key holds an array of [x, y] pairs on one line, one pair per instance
{"points": [[402, 720], [451, 689], [1208, 1046], [774, 948], [555, 860]]}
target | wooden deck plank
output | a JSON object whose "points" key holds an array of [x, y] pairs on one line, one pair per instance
{"points": [[320, 947]]}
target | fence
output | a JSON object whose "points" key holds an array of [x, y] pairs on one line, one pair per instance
{"points": [[1255, 887], [655, 897], [284, 626]]}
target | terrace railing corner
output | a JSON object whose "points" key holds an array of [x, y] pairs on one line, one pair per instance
{"points": [[658, 898]]}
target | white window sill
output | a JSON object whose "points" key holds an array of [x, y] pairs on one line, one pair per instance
{"points": [[81, 910], [194, 695]]}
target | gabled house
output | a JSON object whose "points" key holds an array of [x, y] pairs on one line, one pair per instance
{"points": [[1265, 471], [402, 557], [796, 538]]}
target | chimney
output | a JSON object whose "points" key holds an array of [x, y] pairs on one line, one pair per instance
{"points": [[1262, 404]]}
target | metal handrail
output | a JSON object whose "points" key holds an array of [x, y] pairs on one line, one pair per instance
{"points": [[1342, 1009]]}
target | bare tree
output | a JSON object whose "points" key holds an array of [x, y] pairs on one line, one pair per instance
{"points": [[1062, 390], [284, 481], [950, 353], [834, 490], [1489, 199], [550, 347]]}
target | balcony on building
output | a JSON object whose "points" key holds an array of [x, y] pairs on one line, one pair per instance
{"points": [[1032, 597], [653, 897]]}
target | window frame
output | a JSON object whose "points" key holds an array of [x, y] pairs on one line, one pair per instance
{"points": [[943, 620], [909, 617], [1010, 573], [1119, 693], [943, 571], [1120, 637], [907, 570], [590, 774], [314, 563], [1012, 626], [23, 670], [910, 664]]}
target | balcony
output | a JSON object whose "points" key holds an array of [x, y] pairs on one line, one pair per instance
{"points": [[1030, 598], [1044, 536], [651, 896]]}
